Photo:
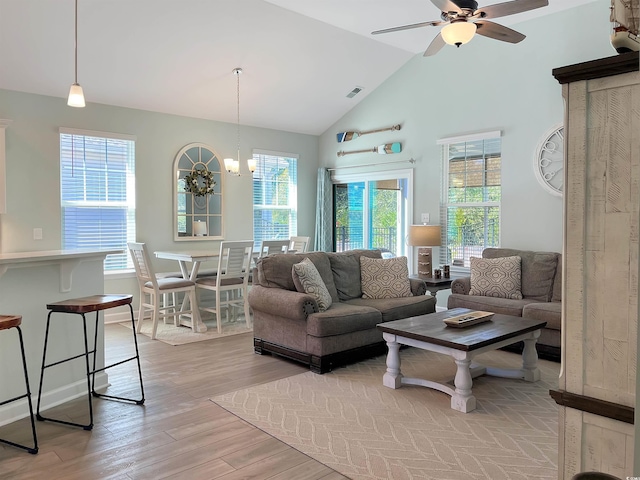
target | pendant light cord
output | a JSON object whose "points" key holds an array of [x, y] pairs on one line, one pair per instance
{"points": [[238, 72], [76, 43]]}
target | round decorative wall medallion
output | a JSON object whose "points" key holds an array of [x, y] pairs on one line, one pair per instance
{"points": [[548, 162]]}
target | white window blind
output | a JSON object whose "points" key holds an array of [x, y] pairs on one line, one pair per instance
{"points": [[97, 192], [470, 211], [275, 197]]}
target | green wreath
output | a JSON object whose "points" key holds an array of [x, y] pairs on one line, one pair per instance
{"points": [[192, 182]]}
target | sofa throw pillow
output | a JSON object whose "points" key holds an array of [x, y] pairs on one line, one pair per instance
{"points": [[384, 277], [496, 277], [308, 280]]}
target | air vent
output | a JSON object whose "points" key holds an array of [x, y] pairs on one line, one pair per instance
{"points": [[354, 92]]}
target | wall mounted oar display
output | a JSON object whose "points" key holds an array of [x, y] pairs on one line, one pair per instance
{"points": [[395, 147], [346, 136]]}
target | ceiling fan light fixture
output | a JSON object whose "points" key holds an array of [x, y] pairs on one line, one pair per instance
{"points": [[458, 33]]}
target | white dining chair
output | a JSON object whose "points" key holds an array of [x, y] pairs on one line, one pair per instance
{"points": [[153, 289], [273, 246], [299, 244], [232, 280]]}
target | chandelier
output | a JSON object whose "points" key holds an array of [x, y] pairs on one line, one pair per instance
{"points": [[232, 165]]}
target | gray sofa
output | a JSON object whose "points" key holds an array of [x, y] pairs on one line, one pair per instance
{"points": [[288, 323], [541, 292]]}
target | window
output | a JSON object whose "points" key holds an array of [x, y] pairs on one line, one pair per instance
{"points": [[275, 196], [471, 197], [97, 193]]}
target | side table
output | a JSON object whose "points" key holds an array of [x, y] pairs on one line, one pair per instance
{"points": [[434, 285]]}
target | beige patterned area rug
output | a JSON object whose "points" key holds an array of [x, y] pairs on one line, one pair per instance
{"points": [[349, 421], [169, 333]]}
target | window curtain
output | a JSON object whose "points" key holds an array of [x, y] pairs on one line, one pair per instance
{"points": [[324, 212]]}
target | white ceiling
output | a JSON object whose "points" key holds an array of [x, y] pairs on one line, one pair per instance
{"points": [[300, 57]]}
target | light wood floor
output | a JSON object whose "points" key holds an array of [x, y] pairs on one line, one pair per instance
{"points": [[178, 433]]}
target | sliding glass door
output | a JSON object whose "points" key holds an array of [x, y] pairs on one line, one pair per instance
{"points": [[372, 213]]}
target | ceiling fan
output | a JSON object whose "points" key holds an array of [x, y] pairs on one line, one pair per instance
{"points": [[462, 19]]}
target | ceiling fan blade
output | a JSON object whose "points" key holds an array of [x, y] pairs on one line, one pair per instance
{"points": [[499, 32], [446, 6], [510, 8], [435, 46], [408, 27]]}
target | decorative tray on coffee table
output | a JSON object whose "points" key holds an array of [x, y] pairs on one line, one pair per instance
{"points": [[468, 319]]}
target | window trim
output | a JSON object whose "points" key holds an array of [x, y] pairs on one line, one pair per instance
{"points": [[470, 137], [95, 133]]}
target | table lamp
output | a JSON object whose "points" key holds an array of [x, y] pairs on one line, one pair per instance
{"points": [[425, 237]]}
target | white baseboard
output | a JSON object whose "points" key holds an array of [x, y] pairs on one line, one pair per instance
{"points": [[20, 409], [117, 317]]}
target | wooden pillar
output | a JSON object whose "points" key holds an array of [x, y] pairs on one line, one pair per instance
{"points": [[597, 385]]}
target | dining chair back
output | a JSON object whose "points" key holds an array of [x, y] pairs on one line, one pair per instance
{"points": [[232, 280], [152, 288], [299, 244], [273, 246]]}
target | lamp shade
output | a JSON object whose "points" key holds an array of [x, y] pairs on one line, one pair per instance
{"points": [[458, 33], [424, 236], [76, 96], [231, 165]]}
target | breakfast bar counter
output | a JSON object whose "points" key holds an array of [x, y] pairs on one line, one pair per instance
{"points": [[28, 282]]}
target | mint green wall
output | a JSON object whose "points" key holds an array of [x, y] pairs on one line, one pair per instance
{"points": [[32, 163], [482, 86]]}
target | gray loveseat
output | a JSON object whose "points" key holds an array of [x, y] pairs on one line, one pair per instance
{"points": [[541, 292], [288, 323]]}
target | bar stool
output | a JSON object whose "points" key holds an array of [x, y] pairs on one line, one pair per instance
{"points": [[14, 321], [81, 306]]}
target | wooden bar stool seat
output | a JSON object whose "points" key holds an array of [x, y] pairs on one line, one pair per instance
{"points": [[14, 321], [82, 306]]}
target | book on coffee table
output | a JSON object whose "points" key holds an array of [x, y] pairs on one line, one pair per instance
{"points": [[468, 319]]}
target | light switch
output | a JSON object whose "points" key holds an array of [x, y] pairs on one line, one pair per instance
{"points": [[37, 234]]}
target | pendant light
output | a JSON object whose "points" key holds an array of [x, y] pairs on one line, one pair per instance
{"points": [[76, 95], [232, 165]]}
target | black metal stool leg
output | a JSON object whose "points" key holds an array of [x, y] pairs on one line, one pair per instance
{"points": [[34, 449], [135, 342], [44, 356], [40, 417], [86, 362], [136, 357], [95, 348]]}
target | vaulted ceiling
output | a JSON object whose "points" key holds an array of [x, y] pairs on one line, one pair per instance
{"points": [[300, 58]]}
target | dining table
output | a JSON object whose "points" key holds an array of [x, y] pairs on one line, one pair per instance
{"points": [[195, 258]]}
